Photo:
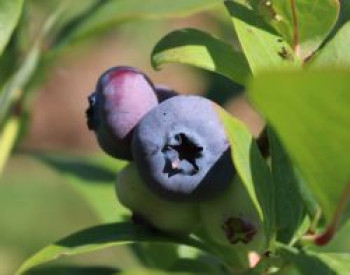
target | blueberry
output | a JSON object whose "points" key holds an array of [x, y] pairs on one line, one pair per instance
{"points": [[171, 217], [164, 92], [231, 220], [181, 149], [92, 119], [123, 96]]}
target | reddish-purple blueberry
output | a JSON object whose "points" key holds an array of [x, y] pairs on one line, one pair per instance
{"points": [[123, 96]]}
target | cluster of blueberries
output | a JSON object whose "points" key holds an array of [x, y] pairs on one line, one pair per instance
{"points": [[177, 142], [180, 176]]}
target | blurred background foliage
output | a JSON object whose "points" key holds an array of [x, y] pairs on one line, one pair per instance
{"points": [[57, 181]]}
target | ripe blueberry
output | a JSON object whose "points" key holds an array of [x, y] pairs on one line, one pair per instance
{"points": [[171, 217], [181, 149], [164, 92], [123, 96]]}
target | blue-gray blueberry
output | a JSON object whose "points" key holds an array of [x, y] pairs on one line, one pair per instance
{"points": [[181, 149]]}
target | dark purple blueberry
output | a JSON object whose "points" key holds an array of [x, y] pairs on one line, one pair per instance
{"points": [[181, 149], [123, 96], [163, 92]]}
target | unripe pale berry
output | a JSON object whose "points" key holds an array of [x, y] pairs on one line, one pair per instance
{"points": [[175, 218], [232, 220]]}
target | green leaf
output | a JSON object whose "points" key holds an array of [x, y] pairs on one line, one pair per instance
{"points": [[8, 135], [336, 52], [308, 262], [73, 270], [10, 94], [289, 204], [199, 49], [343, 18], [155, 255], [345, 11], [315, 20], [9, 59], [93, 180], [101, 237], [12, 89], [252, 169], [10, 12], [263, 48], [201, 264], [148, 271], [310, 112], [114, 12]]}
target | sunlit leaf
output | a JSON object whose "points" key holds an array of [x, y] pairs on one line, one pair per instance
{"points": [[252, 169], [310, 112], [314, 21], [336, 52], [10, 12], [8, 136], [200, 49], [101, 237], [262, 46]]}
